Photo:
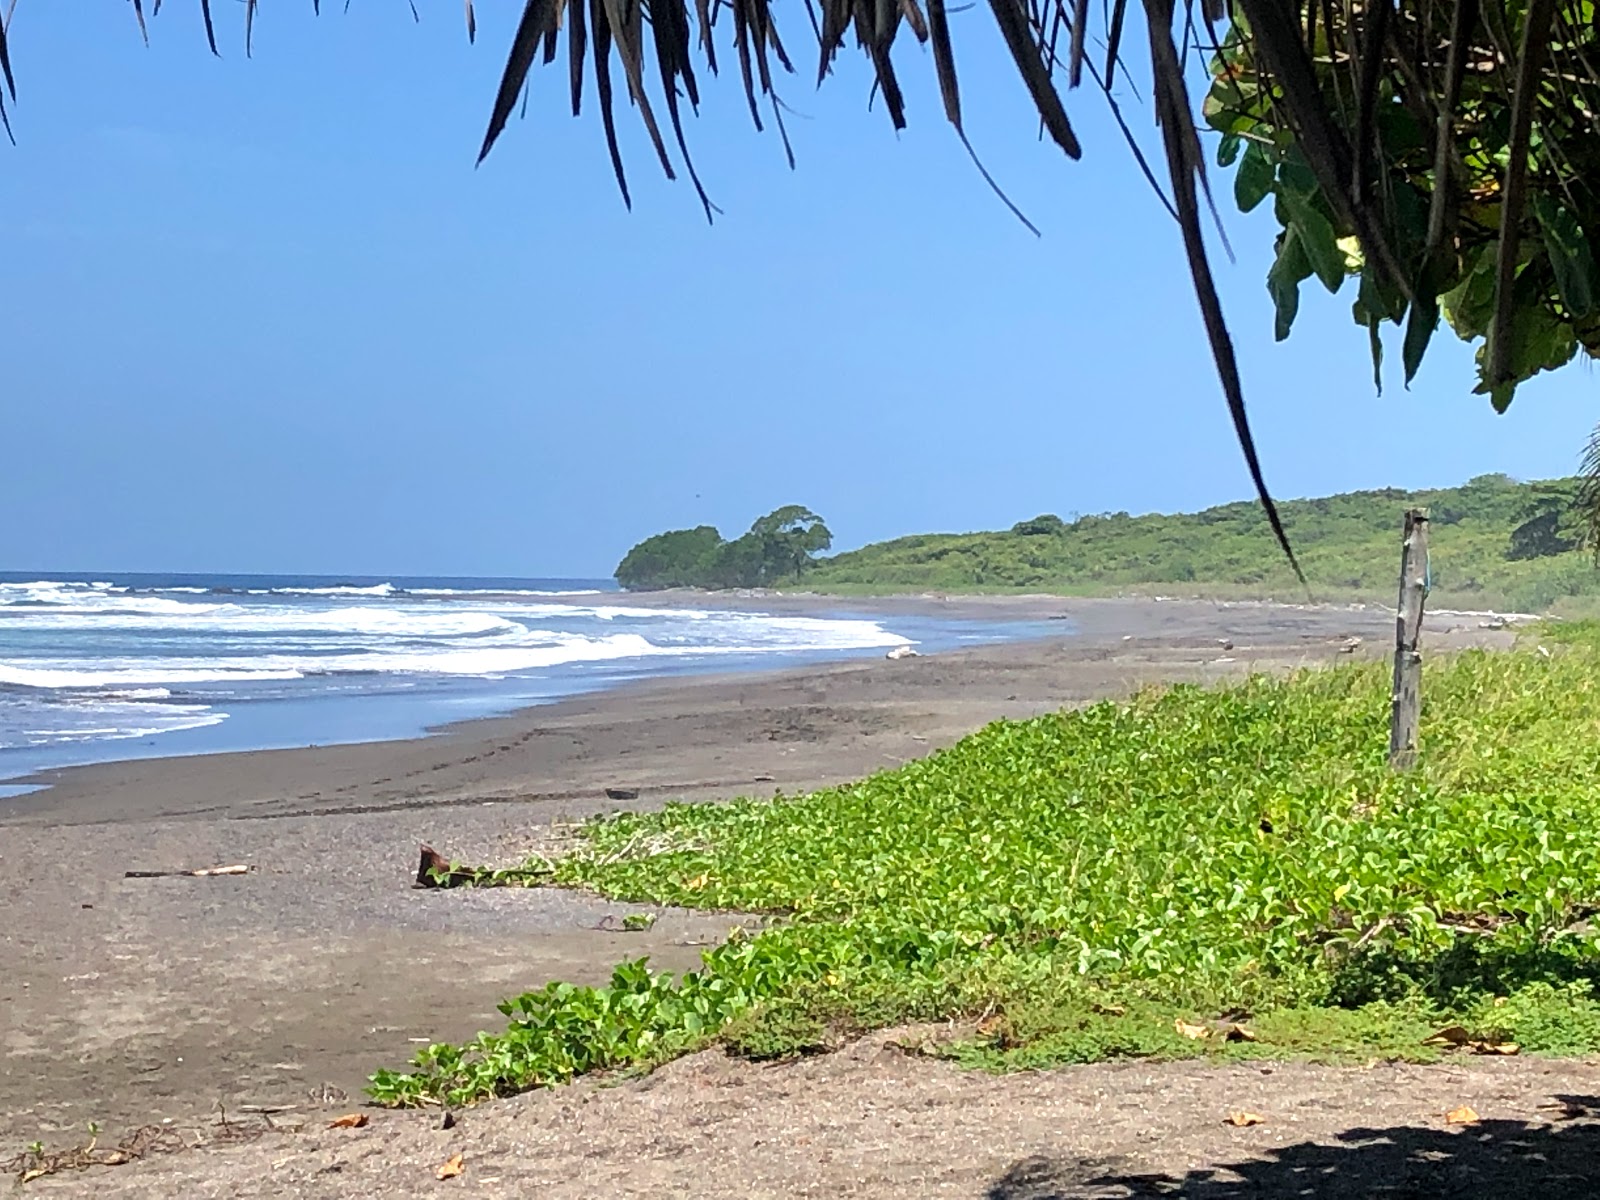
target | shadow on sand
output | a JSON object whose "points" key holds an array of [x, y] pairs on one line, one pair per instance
{"points": [[1559, 1160]]}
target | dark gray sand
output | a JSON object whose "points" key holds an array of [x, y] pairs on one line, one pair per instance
{"points": [[134, 1001]]}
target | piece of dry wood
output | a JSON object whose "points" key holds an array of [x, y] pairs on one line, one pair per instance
{"points": [[437, 871], [198, 873]]}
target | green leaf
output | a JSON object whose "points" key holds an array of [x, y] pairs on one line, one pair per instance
{"points": [[1283, 281], [1423, 321], [1228, 149], [1540, 341], [1369, 310], [1317, 238], [1570, 256], [1470, 304], [1375, 344], [1253, 182]]}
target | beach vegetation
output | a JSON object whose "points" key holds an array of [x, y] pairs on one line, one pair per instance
{"points": [[779, 547], [1231, 873], [1496, 543], [677, 558]]}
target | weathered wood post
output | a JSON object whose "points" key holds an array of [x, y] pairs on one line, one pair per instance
{"points": [[1406, 705]]}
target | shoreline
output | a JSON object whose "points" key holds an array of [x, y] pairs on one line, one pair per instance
{"points": [[68, 793], [1084, 618], [238, 724], [132, 1001]]}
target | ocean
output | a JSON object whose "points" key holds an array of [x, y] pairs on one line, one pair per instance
{"points": [[97, 668]]}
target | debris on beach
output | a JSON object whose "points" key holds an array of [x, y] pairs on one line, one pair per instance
{"points": [[437, 871], [902, 652], [198, 873], [622, 793], [434, 870], [452, 1167]]}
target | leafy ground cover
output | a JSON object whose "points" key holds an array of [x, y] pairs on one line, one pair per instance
{"points": [[1229, 872]]}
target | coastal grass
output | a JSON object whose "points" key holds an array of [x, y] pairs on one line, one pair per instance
{"points": [[1230, 872]]}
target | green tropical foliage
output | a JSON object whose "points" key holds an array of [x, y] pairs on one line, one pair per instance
{"points": [[677, 558], [1496, 543], [1482, 191], [1124, 880], [779, 546]]}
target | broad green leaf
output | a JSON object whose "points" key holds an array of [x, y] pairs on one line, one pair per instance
{"points": [[1423, 321], [1570, 256], [1228, 149], [1375, 345], [1283, 281], [1369, 309], [1540, 341], [1317, 238], [1469, 305], [1253, 182]]}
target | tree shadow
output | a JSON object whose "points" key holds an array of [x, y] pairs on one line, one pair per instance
{"points": [[1559, 1160], [1472, 967]]}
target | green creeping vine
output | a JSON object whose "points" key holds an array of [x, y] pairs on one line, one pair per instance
{"points": [[1078, 881]]}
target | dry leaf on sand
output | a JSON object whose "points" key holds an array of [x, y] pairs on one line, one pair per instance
{"points": [[1242, 1119], [1457, 1037], [1197, 1032], [348, 1121], [453, 1167], [1495, 1048], [1464, 1115]]}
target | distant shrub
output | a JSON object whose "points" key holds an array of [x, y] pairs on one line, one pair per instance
{"points": [[1045, 523]]}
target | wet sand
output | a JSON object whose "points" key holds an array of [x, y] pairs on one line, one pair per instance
{"points": [[126, 1001]]}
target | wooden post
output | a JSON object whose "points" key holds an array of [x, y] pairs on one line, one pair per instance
{"points": [[1406, 708]]}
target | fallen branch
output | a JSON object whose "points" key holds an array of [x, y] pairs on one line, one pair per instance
{"points": [[199, 873]]}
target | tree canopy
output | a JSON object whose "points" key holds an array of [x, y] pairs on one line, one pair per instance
{"points": [[779, 546], [1441, 153]]}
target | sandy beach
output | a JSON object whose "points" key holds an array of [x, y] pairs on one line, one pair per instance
{"points": [[132, 1001]]}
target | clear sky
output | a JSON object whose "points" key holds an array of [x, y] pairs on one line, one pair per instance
{"points": [[264, 315]]}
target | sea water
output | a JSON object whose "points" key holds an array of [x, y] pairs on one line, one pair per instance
{"points": [[98, 668]]}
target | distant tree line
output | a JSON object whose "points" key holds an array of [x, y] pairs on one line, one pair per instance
{"points": [[779, 547]]}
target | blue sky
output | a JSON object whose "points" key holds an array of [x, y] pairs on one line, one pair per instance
{"points": [[264, 315]]}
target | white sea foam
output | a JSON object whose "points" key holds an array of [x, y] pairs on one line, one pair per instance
{"points": [[343, 589], [87, 662], [494, 592], [530, 651], [113, 722], [20, 601], [130, 673], [135, 613]]}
